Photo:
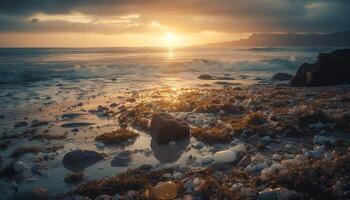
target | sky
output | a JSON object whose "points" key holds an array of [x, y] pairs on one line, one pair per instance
{"points": [[102, 23]]}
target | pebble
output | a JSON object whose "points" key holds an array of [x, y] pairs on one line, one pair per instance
{"points": [[292, 162], [117, 197], [199, 145], [317, 152], [19, 167], [226, 156], [104, 197], [207, 160], [166, 176], [320, 140], [178, 175], [100, 145]]}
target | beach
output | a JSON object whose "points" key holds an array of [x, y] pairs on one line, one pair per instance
{"points": [[251, 136]]}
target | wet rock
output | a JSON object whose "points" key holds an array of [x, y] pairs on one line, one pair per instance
{"points": [[69, 116], [278, 194], [320, 140], [164, 190], [21, 124], [100, 145], [145, 167], [122, 159], [76, 125], [292, 162], [74, 177], [36, 193], [247, 193], [317, 152], [19, 167], [226, 156], [282, 77], [178, 175], [78, 160], [165, 128], [330, 69], [81, 198], [39, 169], [104, 197]]}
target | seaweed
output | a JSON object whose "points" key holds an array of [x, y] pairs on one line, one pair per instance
{"points": [[117, 136], [23, 150]]}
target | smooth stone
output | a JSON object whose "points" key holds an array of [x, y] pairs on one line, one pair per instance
{"points": [[122, 159], [78, 160]]}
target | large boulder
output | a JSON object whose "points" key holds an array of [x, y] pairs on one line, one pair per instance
{"points": [[330, 69], [78, 160], [165, 128]]}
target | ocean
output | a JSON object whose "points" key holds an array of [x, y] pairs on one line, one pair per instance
{"points": [[29, 71]]}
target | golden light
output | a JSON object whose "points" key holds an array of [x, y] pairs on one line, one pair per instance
{"points": [[170, 39]]}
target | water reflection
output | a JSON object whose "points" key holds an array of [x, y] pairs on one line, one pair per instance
{"points": [[171, 53], [167, 153]]}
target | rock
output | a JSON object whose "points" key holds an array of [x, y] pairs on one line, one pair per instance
{"points": [[178, 175], [122, 159], [320, 140], [247, 193], [330, 69], [292, 162], [104, 197], [145, 167], [19, 167], [100, 145], [78, 160], [199, 145], [317, 152], [39, 169], [165, 128], [117, 197], [76, 124], [37, 193], [81, 198], [21, 124], [278, 194], [74, 177], [282, 77], [206, 77], [226, 156], [207, 160], [164, 190]]}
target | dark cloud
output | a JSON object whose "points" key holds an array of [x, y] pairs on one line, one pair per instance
{"points": [[185, 15]]}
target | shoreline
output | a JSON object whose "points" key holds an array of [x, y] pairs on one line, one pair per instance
{"points": [[274, 108]]}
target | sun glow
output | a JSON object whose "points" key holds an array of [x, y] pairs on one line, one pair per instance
{"points": [[170, 39]]}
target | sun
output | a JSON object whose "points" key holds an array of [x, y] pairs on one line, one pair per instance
{"points": [[170, 39]]}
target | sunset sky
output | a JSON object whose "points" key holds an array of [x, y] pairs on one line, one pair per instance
{"points": [[94, 23]]}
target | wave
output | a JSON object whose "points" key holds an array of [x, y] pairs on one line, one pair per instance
{"points": [[69, 71]]}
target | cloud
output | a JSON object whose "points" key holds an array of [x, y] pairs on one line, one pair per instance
{"points": [[188, 16]]}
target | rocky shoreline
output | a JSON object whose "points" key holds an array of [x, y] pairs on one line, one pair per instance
{"points": [[247, 142]]}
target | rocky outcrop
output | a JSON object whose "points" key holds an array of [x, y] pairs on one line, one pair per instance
{"points": [[330, 69], [78, 160], [165, 128]]}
